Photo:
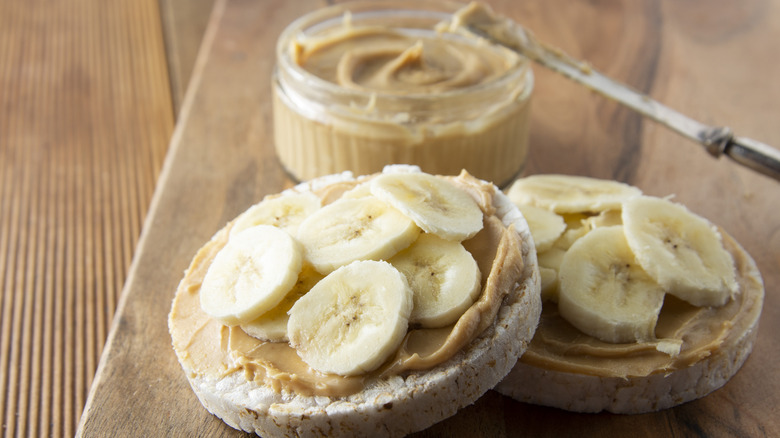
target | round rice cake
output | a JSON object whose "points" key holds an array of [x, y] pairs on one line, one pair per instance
{"points": [[247, 395], [696, 351]]}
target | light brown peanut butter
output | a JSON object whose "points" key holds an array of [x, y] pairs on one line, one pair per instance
{"points": [[206, 347], [700, 331], [432, 99], [375, 58]]}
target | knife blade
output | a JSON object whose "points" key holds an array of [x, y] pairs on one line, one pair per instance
{"points": [[478, 20]]}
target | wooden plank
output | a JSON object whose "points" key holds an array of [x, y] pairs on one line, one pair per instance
{"points": [[221, 160], [184, 23], [85, 119]]}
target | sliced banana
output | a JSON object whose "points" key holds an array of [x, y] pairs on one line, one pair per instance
{"points": [[606, 218], [271, 326], [546, 226], [352, 320], [549, 279], [552, 258], [680, 250], [434, 204], [250, 275], [575, 228], [604, 292], [286, 211], [444, 277], [571, 194], [354, 229], [359, 191]]}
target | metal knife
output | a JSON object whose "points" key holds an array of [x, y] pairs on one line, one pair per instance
{"points": [[478, 20]]}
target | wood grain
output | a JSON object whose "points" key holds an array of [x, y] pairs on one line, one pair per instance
{"points": [[183, 24], [713, 60], [85, 119]]}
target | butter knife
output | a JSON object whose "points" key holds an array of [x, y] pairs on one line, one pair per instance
{"points": [[477, 19]]}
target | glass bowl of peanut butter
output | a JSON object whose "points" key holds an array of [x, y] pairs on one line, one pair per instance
{"points": [[361, 85]]}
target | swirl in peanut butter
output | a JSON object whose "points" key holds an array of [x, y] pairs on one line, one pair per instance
{"points": [[381, 59], [207, 347], [360, 93], [700, 331]]}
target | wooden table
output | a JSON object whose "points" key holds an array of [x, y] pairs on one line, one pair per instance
{"points": [[86, 118]]}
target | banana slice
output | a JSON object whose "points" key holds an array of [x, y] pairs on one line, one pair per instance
{"points": [[606, 218], [604, 292], [354, 229], [444, 277], [545, 225], [286, 212], [271, 326], [571, 194], [352, 320], [359, 191], [552, 258], [682, 251], [434, 204], [549, 280], [549, 267], [575, 228], [250, 275]]}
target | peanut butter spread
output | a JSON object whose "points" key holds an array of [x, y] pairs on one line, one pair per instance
{"points": [[367, 94], [206, 347], [374, 58], [698, 331]]}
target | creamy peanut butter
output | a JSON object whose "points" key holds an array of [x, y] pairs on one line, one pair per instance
{"points": [[380, 59], [206, 347], [360, 95], [699, 331]]}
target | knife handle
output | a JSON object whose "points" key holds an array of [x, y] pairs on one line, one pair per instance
{"points": [[755, 155]]}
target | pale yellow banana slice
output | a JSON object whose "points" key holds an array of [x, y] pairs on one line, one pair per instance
{"points": [[552, 258], [546, 226], [359, 191], [682, 251], [549, 267], [571, 194], [286, 211], [549, 280], [576, 227], [604, 292], [434, 204], [271, 326], [606, 218], [352, 320], [250, 275], [354, 229], [444, 277]]}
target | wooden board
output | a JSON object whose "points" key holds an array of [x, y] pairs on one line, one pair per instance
{"points": [[713, 60], [184, 24]]}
